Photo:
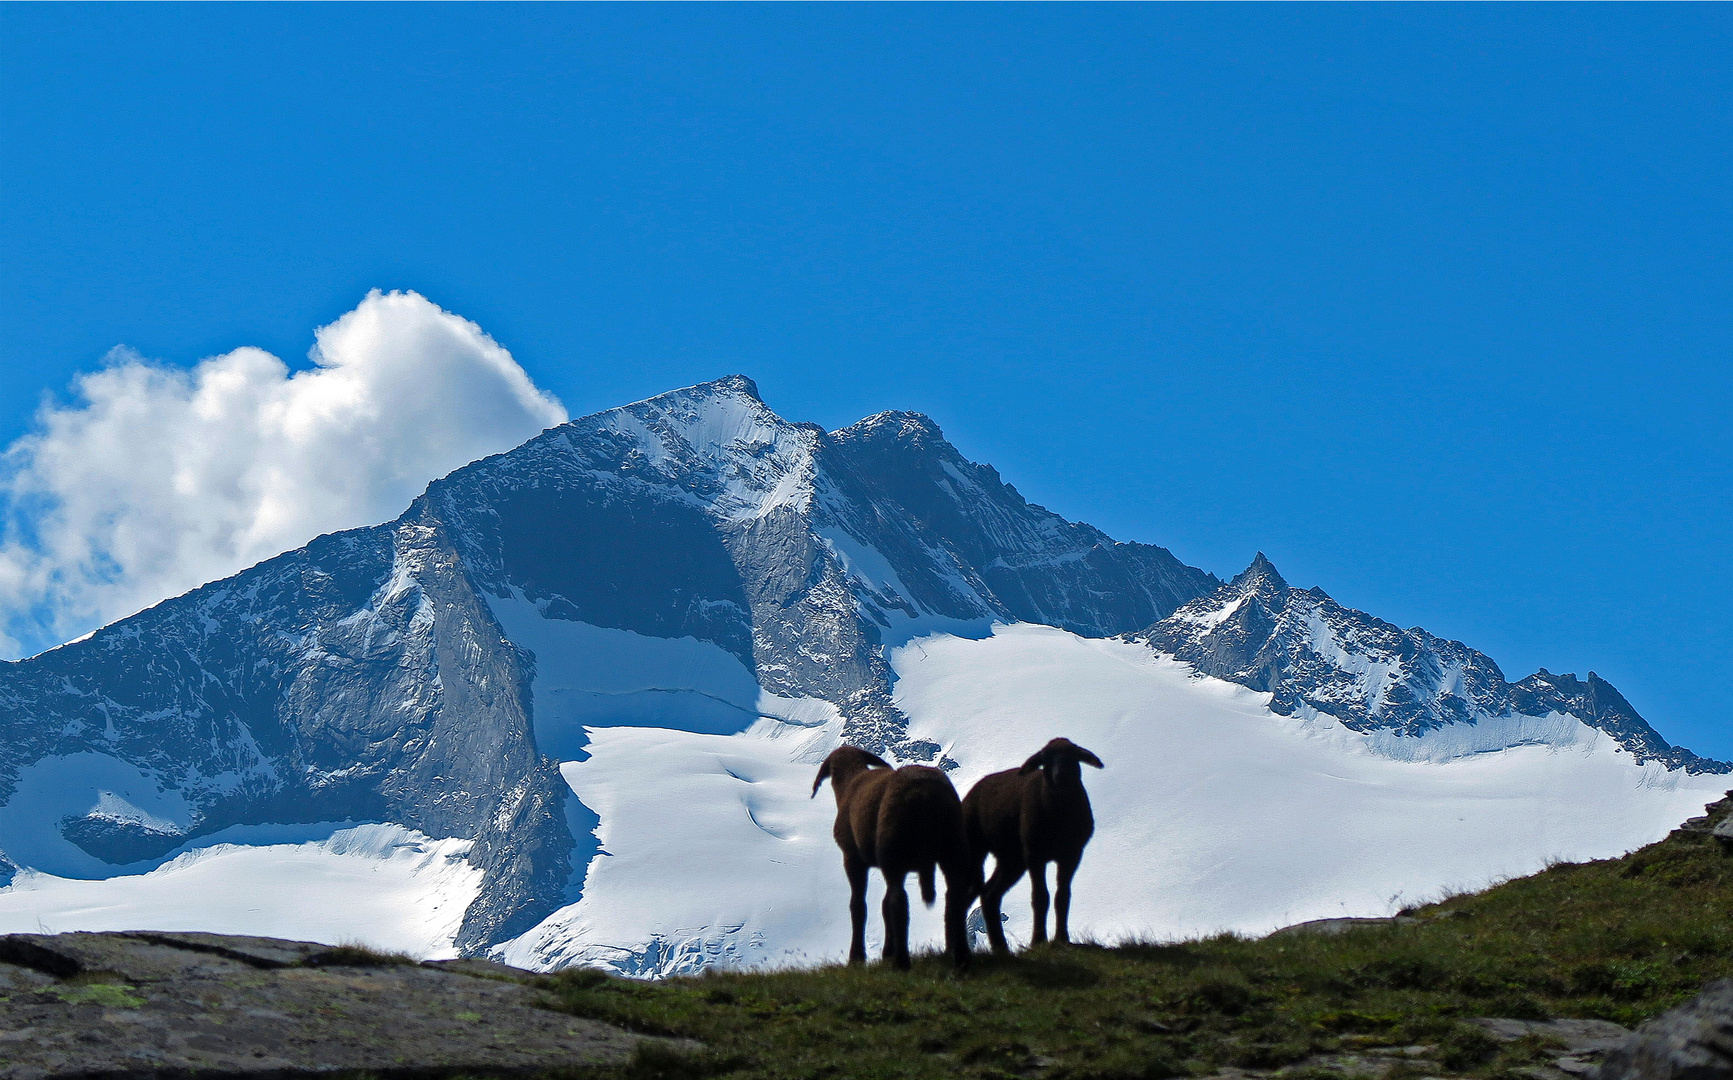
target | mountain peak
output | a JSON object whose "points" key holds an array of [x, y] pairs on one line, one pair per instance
{"points": [[894, 424], [733, 384], [735, 390], [1261, 576]]}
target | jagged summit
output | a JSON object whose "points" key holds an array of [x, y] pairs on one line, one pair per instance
{"points": [[727, 386], [892, 424], [1260, 577], [738, 384]]}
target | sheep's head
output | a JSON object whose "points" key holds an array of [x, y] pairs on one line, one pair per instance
{"points": [[1059, 760], [843, 764]]}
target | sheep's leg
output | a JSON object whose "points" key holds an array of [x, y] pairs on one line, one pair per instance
{"points": [[896, 910], [1062, 899], [1038, 899], [1005, 874], [959, 891], [857, 886]]}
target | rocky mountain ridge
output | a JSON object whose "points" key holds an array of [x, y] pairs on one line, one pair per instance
{"points": [[1310, 653]]}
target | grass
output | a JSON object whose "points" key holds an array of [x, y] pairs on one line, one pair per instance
{"points": [[1619, 940], [110, 995], [356, 954]]}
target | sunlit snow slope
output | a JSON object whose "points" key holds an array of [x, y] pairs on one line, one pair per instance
{"points": [[1214, 812]]}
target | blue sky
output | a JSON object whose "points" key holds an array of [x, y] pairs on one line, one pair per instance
{"points": [[1428, 303]]}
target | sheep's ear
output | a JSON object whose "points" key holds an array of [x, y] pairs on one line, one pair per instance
{"points": [[823, 771], [1089, 759], [1035, 762]]}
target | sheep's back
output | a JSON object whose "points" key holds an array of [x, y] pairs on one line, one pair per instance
{"points": [[920, 820], [857, 814]]}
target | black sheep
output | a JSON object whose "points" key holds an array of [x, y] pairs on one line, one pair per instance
{"points": [[1026, 818]]}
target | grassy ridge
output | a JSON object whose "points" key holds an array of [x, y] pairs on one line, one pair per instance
{"points": [[1619, 940]]}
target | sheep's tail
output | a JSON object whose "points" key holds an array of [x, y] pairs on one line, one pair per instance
{"points": [[929, 891]]}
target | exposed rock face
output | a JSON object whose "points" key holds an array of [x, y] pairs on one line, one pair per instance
{"points": [[1691, 1042], [1599, 705], [1031, 565], [166, 1005], [1308, 651], [1584, 1042], [365, 675], [702, 513], [359, 677]]}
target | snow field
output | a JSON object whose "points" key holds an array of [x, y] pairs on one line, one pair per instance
{"points": [[381, 885], [713, 851], [1213, 813]]}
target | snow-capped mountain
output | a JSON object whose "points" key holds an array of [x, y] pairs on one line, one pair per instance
{"points": [[568, 706], [382, 674]]}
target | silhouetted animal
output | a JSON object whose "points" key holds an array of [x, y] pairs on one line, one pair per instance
{"points": [[902, 821], [1025, 818]]}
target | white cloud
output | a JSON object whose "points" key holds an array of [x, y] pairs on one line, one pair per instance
{"points": [[159, 479]]}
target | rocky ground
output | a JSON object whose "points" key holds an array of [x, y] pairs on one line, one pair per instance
{"points": [[162, 1005], [158, 1005], [1580, 1045]]}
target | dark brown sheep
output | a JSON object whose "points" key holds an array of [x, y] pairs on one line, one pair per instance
{"points": [[1026, 818], [902, 821]]}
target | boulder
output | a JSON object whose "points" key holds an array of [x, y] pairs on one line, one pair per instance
{"points": [[1723, 832], [1691, 1042], [1583, 1042]]}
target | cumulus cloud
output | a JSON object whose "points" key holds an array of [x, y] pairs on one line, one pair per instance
{"points": [[157, 479]]}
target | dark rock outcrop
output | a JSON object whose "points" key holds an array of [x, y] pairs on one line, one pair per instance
{"points": [[1691, 1042], [207, 1005], [1716, 820]]}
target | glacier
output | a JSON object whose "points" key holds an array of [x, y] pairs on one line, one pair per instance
{"points": [[1214, 813], [567, 708]]}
